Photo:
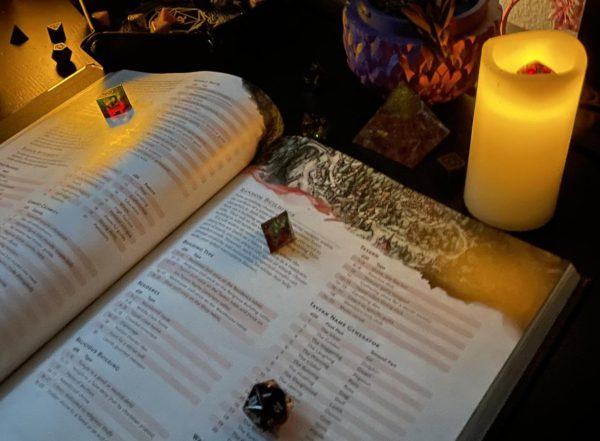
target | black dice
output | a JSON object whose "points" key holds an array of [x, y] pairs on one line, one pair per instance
{"points": [[61, 53], [267, 405], [56, 32], [18, 37]]}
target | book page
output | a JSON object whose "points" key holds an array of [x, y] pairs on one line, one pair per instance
{"points": [[82, 201], [362, 343]]}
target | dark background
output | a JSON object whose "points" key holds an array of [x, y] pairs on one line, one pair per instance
{"points": [[557, 398]]}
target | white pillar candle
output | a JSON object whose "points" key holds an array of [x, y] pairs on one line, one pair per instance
{"points": [[522, 127]]}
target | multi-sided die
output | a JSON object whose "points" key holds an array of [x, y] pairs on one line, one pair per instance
{"points": [[56, 32], [61, 53], [278, 231], [267, 405], [18, 37]]}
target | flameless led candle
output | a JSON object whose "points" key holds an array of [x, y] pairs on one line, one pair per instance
{"points": [[522, 127]]}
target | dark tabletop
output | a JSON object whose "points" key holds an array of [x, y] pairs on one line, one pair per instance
{"points": [[28, 70], [555, 400]]}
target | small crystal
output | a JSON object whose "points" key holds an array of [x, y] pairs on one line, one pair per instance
{"points": [[451, 162], [451, 171], [404, 129]]}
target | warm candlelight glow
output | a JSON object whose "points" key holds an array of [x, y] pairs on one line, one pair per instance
{"points": [[522, 127]]}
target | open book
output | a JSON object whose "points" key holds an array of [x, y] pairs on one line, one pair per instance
{"points": [[136, 281]]}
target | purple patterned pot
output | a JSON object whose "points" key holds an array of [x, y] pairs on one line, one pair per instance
{"points": [[383, 50]]}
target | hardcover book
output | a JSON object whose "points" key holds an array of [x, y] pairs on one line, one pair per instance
{"points": [[139, 299]]}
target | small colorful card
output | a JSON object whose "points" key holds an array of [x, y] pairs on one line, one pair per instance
{"points": [[114, 103], [278, 231]]}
